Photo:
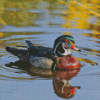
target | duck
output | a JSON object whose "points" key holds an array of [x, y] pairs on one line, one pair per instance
{"points": [[44, 57]]}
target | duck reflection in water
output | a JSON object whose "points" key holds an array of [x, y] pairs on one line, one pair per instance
{"points": [[31, 70], [61, 78], [61, 83]]}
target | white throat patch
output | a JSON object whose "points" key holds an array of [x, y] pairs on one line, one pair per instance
{"points": [[67, 51]]}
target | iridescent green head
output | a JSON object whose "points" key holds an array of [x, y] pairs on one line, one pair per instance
{"points": [[63, 44]]}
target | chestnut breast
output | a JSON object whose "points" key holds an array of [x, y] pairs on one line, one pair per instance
{"points": [[68, 62]]}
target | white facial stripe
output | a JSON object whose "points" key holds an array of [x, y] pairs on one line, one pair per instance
{"points": [[56, 47], [67, 51], [66, 83]]}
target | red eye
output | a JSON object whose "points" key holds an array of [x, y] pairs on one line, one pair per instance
{"points": [[66, 41]]}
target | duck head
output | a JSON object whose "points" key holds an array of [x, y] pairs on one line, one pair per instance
{"points": [[63, 44]]}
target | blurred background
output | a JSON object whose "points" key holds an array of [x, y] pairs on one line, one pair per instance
{"points": [[41, 22]]}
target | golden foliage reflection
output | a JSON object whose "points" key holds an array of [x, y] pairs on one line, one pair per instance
{"points": [[81, 13], [24, 13]]}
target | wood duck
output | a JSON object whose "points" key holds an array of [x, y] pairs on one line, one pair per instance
{"points": [[60, 56]]}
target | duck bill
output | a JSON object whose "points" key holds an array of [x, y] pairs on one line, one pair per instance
{"points": [[75, 48]]}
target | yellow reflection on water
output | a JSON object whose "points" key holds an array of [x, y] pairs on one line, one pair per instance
{"points": [[1, 34], [95, 34], [79, 13], [24, 13], [16, 12], [87, 61]]}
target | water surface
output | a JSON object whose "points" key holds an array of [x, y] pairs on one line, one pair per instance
{"points": [[41, 22]]}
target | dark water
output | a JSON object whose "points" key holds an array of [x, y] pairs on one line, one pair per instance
{"points": [[41, 22]]}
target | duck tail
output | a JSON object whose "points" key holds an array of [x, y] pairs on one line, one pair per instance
{"points": [[32, 49], [29, 44], [17, 52]]}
